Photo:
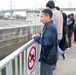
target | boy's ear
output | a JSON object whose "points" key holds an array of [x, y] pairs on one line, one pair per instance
{"points": [[48, 16]]}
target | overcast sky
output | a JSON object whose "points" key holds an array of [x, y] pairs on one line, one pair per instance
{"points": [[33, 4], [18, 4]]}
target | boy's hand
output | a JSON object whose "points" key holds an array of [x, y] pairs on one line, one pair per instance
{"points": [[38, 34], [33, 35]]}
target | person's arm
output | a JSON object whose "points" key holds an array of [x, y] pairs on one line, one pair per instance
{"points": [[70, 22], [47, 38]]}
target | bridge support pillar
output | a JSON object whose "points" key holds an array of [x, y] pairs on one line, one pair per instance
{"points": [[11, 14]]}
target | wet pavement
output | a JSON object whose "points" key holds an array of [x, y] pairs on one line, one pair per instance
{"points": [[67, 66]]}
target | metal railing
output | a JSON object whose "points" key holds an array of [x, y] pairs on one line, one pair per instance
{"points": [[23, 61]]}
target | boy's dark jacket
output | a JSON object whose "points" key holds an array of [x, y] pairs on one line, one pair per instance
{"points": [[48, 36]]}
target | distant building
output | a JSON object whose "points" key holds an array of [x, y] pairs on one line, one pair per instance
{"points": [[32, 16]]}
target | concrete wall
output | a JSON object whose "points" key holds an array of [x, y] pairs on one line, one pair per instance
{"points": [[12, 38]]}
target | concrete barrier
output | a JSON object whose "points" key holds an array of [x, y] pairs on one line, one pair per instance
{"points": [[14, 37]]}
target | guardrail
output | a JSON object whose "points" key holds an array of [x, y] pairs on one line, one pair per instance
{"points": [[23, 61]]}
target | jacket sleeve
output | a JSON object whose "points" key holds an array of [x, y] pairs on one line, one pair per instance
{"points": [[46, 39]]}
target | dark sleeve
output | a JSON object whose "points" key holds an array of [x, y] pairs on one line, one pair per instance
{"points": [[47, 38]]}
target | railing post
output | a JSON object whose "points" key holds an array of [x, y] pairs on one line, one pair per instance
{"points": [[9, 67], [38, 63], [21, 64], [16, 66], [31, 30], [0, 73], [25, 63]]}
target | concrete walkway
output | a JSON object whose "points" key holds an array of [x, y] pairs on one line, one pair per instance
{"points": [[67, 66]]}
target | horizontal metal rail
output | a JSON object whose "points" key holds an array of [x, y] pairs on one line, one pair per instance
{"points": [[13, 55], [18, 61]]}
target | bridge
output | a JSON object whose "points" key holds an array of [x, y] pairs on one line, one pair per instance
{"points": [[19, 10], [68, 9]]}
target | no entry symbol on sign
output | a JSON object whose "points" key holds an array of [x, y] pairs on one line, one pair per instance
{"points": [[31, 57]]}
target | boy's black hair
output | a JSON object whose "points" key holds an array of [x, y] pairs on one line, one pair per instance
{"points": [[50, 4], [48, 12]]}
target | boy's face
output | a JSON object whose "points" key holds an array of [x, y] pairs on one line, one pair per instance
{"points": [[44, 18]]}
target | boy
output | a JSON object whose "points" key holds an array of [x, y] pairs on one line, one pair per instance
{"points": [[46, 39]]}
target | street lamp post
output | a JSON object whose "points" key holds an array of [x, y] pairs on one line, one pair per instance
{"points": [[11, 13]]}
